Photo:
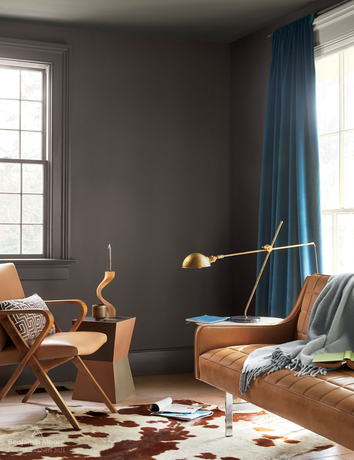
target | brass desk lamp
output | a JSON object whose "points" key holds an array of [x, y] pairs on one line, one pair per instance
{"points": [[197, 260]]}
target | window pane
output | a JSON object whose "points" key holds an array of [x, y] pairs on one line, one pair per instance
{"points": [[9, 83], [349, 88], [31, 85], [345, 243], [10, 208], [9, 114], [31, 116], [9, 146], [9, 239], [10, 178], [32, 209], [28, 159], [327, 244], [329, 171], [348, 169], [32, 239], [32, 178], [327, 93], [31, 145]]}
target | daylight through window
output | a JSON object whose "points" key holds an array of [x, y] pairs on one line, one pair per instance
{"points": [[23, 160], [335, 112]]}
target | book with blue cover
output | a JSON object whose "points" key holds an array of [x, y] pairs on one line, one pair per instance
{"points": [[206, 319]]}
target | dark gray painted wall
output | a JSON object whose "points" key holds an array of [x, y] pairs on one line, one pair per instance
{"points": [[149, 153]]}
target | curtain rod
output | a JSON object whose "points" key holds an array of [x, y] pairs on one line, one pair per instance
{"points": [[325, 10]]}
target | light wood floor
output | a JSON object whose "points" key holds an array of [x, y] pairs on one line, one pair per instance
{"points": [[148, 389]]}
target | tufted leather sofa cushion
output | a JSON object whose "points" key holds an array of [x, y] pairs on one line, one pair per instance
{"points": [[327, 401]]}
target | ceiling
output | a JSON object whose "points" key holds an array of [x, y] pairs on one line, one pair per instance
{"points": [[211, 20]]}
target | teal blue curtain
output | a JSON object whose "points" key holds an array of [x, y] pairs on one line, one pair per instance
{"points": [[290, 184]]}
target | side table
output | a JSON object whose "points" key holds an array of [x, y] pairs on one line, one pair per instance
{"points": [[110, 364]]}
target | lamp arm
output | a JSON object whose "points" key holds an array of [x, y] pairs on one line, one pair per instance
{"points": [[265, 262], [221, 256], [269, 250]]}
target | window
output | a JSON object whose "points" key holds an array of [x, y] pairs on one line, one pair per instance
{"points": [[334, 51], [23, 160], [34, 176], [335, 107]]}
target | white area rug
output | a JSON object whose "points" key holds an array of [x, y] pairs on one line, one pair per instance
{"points": [[134, 434]]}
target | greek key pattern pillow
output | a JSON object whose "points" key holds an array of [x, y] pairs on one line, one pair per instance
{"points": [[29, 325]]}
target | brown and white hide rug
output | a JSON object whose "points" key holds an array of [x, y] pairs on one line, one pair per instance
{"points": [[135, 434]]}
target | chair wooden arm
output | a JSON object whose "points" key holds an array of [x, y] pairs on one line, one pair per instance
{"points": [[80, 303]]}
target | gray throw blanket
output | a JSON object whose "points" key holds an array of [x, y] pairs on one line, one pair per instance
{"points": [[330, 330]]}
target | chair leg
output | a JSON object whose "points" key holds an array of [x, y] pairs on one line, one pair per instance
{"points": [[46, 366], [30, 391], [92, 381], [13, 379], [52, 391], [228, 414]]}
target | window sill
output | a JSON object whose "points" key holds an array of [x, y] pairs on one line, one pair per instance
{"points": [[42, 269]]}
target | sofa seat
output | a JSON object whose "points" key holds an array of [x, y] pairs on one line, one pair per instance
{"points": [[321, 398]]}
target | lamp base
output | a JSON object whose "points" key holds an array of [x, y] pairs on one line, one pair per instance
{"points": [[245, 319]]}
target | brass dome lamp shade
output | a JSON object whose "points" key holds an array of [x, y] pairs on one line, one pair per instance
{"points": [[197, 260]]}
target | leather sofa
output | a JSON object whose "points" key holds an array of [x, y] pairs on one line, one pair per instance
{"points": [[323, 404]]}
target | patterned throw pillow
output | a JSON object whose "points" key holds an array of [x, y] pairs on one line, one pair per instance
{"points": [[29, 325]]}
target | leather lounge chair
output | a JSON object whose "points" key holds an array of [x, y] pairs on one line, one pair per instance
{"points": [[30, 336]]}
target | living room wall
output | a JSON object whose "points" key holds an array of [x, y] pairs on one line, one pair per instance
{"points": [[163, 162], [149, 174]]}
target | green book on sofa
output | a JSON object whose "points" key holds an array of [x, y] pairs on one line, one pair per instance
{"points": [[334, 359]]}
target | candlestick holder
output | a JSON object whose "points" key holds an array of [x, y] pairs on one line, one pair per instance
{"points": [[99, 311], [108, 277]]}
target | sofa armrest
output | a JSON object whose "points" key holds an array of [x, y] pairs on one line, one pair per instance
{"points": [[209, 337]]}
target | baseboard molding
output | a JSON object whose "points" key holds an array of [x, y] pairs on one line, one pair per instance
{"points": [[142, 362], [162, 361]]}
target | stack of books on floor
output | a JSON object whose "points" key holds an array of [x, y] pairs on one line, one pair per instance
{"points": [[166, 408]]}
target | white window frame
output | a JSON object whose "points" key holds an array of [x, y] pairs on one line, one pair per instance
{"points": [[57, 262], [333, 33]]}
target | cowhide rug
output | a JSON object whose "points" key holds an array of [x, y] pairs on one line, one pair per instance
{"points": [[135, 434]]}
